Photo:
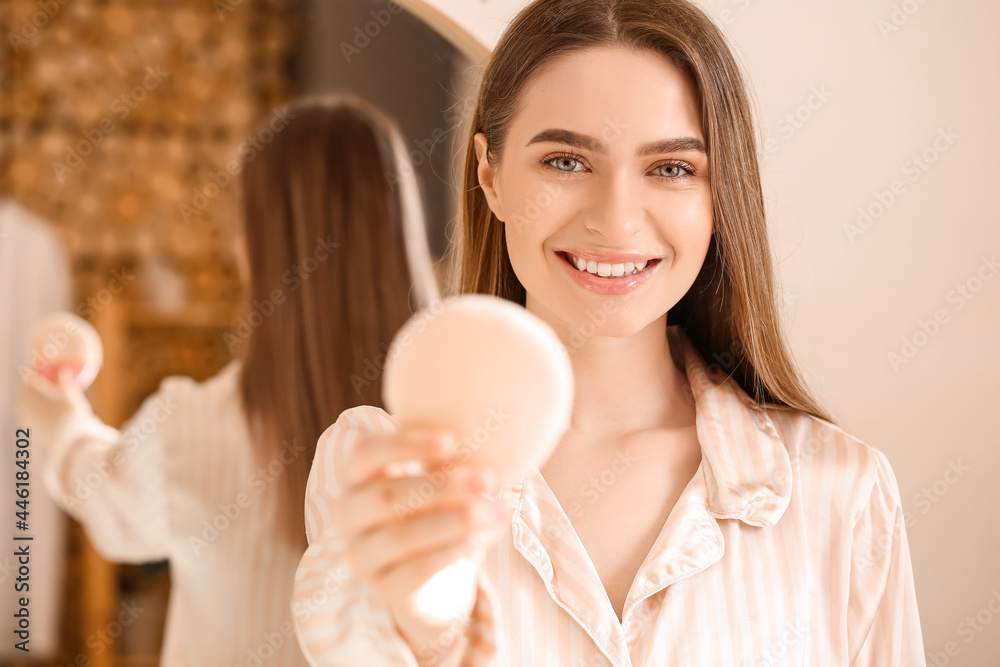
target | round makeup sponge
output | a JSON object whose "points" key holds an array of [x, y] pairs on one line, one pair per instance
{"points": [[494, 374], [499, 379], [62, 340]]}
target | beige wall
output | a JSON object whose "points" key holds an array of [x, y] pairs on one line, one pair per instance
{"points": [[855, 289], [890, 82]]}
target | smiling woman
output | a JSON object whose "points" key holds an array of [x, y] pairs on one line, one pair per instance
{"points": [[740, 533]]}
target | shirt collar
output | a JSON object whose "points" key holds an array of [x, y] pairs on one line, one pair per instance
{"points": [[744, 474], [745, 463], [747, 470]]}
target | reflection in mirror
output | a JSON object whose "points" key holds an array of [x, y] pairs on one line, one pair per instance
{"points": [[126, 130]]}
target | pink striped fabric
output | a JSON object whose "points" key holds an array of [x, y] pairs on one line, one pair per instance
{"points": [[787, 547]]}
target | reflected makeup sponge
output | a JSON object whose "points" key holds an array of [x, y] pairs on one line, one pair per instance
{"points": [[61, 340], [494, 374]]}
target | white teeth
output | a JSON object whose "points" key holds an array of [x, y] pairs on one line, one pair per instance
{"points": [[605, 269]]}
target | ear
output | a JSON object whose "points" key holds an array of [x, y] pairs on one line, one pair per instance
{"points": [[487, 177]]}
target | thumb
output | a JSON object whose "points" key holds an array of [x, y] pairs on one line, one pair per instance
{"points": [[65, 378], [72, 390]]}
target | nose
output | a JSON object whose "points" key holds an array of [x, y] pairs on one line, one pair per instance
{"points": [[617, 213]]}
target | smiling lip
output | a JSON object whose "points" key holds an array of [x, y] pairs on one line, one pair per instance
{"points": [[601, 285]]}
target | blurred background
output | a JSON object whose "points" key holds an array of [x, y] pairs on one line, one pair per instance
{"points": [[116, 122], [878, 144]]}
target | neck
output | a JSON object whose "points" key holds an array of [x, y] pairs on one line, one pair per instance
{"points": [[622, 385]]}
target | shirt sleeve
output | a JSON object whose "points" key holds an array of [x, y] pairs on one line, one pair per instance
{"points": [[883, 623], [338, 621], [112, 481]]}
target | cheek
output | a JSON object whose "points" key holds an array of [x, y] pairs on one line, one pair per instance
{"points": [[525, 250], [531, 220], [692, 226]]}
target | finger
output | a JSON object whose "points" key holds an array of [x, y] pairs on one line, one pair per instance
{"points": [[36, 382], [373, 453], [397, 543], [66, 378], [401, 581], [395, 500]]}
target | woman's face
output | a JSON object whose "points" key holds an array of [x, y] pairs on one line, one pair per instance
{"points": [[603, 168]]}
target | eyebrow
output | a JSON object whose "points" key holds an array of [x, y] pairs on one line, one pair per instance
{"points": [[586, 142]]}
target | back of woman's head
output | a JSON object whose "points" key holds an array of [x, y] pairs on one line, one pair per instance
{"points": [[730, 312], [337, 259]]}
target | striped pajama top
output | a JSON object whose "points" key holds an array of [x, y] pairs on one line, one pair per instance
{"points": [[787, 547], [178, 482]]}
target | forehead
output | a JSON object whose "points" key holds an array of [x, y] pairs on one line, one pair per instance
{"points": [[595, 88]]}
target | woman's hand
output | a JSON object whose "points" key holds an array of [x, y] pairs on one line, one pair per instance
{"points": [[401, 524], [41, 399]]}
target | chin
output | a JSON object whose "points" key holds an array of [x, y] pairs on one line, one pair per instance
{"points": [[610, 319]]}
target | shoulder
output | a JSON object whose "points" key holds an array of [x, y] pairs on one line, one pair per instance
{"points": [[832, 465], [183, 387]]}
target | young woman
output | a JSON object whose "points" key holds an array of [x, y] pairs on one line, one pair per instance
{"points": [[702, 509], [211, 475]]}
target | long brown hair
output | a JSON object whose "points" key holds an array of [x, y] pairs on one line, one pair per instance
{"points": [[730, 312], [334, 229]]}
